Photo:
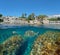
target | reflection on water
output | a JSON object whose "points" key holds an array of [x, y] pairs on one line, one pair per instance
{"points": [[54, 26]]}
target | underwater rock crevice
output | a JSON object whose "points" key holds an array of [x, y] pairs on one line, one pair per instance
{"points": [[22, 48]]}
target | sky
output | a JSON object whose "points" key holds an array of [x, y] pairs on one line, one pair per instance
{"points": [[17, 7]]}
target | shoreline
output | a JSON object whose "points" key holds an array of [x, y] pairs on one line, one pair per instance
{"points": [[53, 26]]}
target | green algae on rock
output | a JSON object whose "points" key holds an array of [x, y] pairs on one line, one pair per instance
{"points": [[11, 45], [47, 44]]}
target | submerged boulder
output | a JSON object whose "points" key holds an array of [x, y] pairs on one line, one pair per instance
{"points": [[47, 44], [11, 45], [30, 33], [14, 32]]}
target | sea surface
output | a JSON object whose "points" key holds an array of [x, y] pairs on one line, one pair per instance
{"points": [[7, 31]]}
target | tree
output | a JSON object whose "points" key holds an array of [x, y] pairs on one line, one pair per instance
{"points": [[31, 16], [1, 15], [24, 15], [58, 18], [1, 20], [41, 17]]}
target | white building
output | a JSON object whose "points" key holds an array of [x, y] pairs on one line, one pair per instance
{"points": [[54, 16], [50, 22], [9, 20], [54, 22], [14, 20]]}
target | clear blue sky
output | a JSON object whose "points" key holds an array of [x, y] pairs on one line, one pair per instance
{"points": [[17, 7]]}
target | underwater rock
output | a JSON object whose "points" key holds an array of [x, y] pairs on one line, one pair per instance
{"points": [[57, 52], [11, 45], [14, 32], [30, 33], [47, 44], [1, 49]]}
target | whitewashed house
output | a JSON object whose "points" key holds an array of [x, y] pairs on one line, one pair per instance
{"points": [[54, 22], [14, 20], [9, 20]]}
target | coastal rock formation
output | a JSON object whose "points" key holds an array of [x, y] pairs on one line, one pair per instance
{"points": [[11, 45], [47, 44]]}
